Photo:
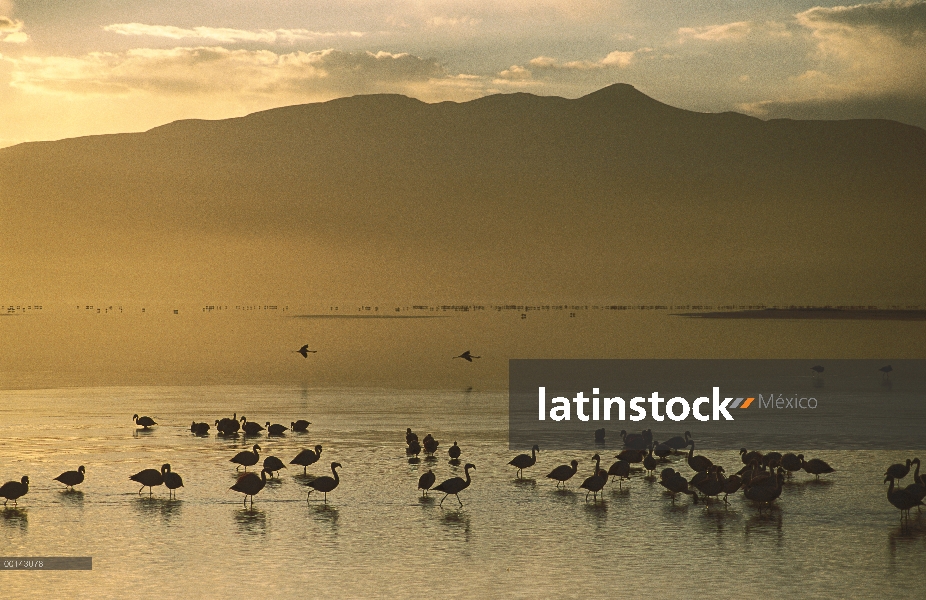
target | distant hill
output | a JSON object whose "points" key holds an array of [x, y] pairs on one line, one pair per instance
{"points": [[613, 196]]}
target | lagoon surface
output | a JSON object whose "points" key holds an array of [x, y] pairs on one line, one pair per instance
{"points": [[376, 537]]}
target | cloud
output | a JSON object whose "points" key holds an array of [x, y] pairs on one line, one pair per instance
{"points": [[225, 35], [440, 21], [7, 25], [870, 62], [515, 72], [717, 33], [18, 37], [733, 32], [900, 20], [217, 70], [616, 59], [11, 31]]}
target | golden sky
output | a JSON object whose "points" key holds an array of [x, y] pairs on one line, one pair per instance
{"points": [[89, 67]]}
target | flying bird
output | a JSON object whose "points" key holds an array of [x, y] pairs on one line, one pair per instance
{"points": [[467, 356], [304, 351]]}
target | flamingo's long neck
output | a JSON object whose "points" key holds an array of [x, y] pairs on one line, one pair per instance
{"points": [[890, 490], [335, 473], [916, 474], [597, 464], [466, 471], [534, 453]]}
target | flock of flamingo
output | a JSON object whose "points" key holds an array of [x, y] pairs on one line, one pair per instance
{"points": [[761, 476]]}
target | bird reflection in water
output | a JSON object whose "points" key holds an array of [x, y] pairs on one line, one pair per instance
{"points": [[326, 513], [456, 520], [251, 521], [525, 483], [15, 517], [164, 508], [72, 497], [767, 522]]}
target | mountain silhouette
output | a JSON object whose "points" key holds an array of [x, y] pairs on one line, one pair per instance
{"points": [[613, 194]]}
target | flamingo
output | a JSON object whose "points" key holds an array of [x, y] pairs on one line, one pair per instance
{"points": [[678, 442], [426, 481], [250, 484], [145, 422], [455, 485], [675, 483], [697, 463], [250, 427], [621, 470], [199, 428], [246, 458], [792, 463], [276, 428], [325, 484], [307, 457], [301, 425], [14, 490], [454, 452], [272, 463], [596, 482], [898, 470], [523, 461], [564, 473], [467, 357], [72, 478], [901, 499], [304, 351], [172, 480], [150, 478], [817, 467]]}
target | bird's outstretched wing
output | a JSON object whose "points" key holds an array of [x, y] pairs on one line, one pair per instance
{"points": [[304, 351], [465, 356]]}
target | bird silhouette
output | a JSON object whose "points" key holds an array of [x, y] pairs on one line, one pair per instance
{"points": [[697, 463], [455, 485], [564, 473], [426, 481], [145, 422], [817, 369], [792, 463], [454, 452], [307, 457], [250, 484], [149, 478], [276, 428], [678, 442], [301, 425], [246, 458], [596, 482], [14, 490], [304, 351], [898, 470], [272, 463], [325, 484], [621, 470], [467, 356], [72, 478], [199, 428], [523, 461], [817, 467], [901, 499], [172, 481], [250, 427], [885, 370]]}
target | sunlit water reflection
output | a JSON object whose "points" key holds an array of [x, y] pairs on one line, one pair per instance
{"points": [[377, 537]]}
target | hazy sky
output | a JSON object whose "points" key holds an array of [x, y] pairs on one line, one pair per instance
{"points": [[95, 66]]}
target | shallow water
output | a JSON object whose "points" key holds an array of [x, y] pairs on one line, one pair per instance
{"points": [[376, 537]]}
